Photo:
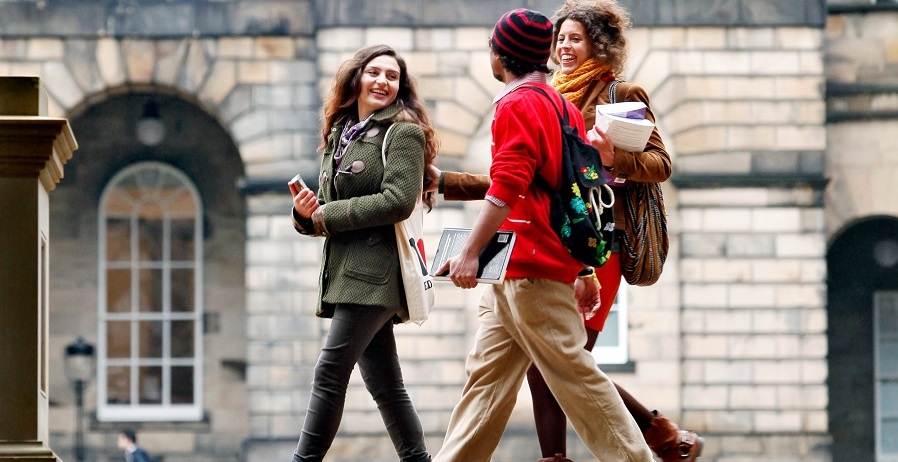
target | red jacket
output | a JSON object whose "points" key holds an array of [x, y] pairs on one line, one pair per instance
{"points": [[527, 141]]}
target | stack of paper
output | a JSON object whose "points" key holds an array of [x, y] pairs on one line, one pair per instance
{"points": [[625, 124]]}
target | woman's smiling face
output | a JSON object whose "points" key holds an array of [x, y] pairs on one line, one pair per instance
{"points": [[573, 46], [379, 85]]}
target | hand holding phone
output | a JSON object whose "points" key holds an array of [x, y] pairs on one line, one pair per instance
{"points": [[297, 184]]}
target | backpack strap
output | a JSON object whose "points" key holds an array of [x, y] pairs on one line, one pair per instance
{"points": [[564, 118]]}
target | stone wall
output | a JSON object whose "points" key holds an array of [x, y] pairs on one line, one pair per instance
{"points": [[731, 341]]}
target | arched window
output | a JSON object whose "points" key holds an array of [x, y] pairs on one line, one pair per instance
{"points": [[150, 296]]}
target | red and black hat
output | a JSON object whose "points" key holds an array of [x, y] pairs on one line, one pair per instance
{"points": [[524, 35]]}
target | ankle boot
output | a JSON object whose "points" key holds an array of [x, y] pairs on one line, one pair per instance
{"points": [[557, 458], [670, 443]]}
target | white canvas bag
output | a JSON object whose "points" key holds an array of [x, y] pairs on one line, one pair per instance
{"points": [[416, 279]]}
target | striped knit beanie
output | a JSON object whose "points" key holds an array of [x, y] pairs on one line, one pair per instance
{"points": [[524, 35]]}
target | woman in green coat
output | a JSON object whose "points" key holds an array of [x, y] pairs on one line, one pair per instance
{"points": [[359, 200]]}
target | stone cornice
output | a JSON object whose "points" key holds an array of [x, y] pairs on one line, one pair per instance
{"points": [[862, 8], [706, 181], [193, 18], [847, 102], [35, 147]]}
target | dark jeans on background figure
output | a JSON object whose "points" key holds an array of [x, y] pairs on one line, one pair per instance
{"points": [[363, 335]]}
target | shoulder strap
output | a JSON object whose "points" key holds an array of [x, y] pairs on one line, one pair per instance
{"points": [[383, 148], [563, 118], [612, 91]]}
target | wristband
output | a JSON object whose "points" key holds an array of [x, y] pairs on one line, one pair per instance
{"points": [[586, 272]]}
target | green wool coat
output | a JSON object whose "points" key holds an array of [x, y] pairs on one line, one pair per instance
{"points": [[360, 263]]}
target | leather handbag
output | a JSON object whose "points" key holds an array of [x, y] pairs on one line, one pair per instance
{"points": [[416, 279], [645, 242]]}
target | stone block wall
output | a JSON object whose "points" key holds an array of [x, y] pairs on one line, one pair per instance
{"points": [[731, 341]]}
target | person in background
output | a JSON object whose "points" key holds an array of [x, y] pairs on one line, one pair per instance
{"points": [[127, 442], [533, 316], [358, 202]]}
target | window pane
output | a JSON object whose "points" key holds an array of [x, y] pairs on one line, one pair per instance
{"points": [[150, 290], [610, 335], [182, 290], [888, 359], [182, 339], [118, 339], [182, 240], [182, 385], [118, 239], [150, 385], [149, 233], [118, 385], [888, 317], [182, 204], [888, 399], [150, 339], [889, 436], [118, 290]]}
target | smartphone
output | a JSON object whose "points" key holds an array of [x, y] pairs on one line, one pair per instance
{"points": [[296, 184]]}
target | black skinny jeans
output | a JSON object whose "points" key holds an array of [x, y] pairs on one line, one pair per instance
{"points": [[363, 335]]}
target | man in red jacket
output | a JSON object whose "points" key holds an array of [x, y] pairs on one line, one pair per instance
{"points": [[533, 315]]}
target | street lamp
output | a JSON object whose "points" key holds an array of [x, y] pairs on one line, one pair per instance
{"points": [[150, 131], [79, 369]]}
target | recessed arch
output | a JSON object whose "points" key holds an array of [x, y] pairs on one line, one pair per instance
{"points": [[858, 280]]}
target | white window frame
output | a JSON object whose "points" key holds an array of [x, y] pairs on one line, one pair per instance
{"points": [[619, 353], [881, 300], [135, 411]]}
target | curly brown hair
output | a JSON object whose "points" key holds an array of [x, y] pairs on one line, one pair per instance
{"points": [[605, 22], [344, 95]]}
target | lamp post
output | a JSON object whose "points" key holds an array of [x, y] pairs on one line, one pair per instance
{"points": [[79, 369]]}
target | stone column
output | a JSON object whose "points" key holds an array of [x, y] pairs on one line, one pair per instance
{"points": [[33, 150]]}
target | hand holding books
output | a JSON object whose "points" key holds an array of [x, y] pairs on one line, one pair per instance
{"points": [[492, 262], [304, 200]]}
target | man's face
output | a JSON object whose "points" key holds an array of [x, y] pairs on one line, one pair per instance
{"points": [[496, 65], [123, 442]]}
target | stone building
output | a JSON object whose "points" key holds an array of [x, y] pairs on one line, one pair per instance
{"points": [[771, 332]]}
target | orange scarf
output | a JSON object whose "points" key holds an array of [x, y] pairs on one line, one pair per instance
{"points": [[573, 86]]}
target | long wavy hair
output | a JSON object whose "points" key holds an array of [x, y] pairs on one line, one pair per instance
{"points": [[343, 101], [605, 22]]}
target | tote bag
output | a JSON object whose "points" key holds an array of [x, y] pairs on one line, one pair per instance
{"points": [[416, 280]]}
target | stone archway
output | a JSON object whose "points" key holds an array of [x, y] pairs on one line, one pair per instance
{"points": [[862, 261], [197, 145]]}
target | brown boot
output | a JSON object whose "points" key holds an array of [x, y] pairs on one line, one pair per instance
{"points": [[670, 443], [557, 458]]}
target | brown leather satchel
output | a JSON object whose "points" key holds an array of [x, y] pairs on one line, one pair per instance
{"points": [[645, 243]]}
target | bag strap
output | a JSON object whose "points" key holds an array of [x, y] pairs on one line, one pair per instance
{"points": [[612, 91], [383, 148], [561, 118]]}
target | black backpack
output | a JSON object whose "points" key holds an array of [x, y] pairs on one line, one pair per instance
{"points": [[573, 214]]}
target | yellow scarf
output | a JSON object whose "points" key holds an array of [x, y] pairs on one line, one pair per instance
{"points": [[573, 86]]}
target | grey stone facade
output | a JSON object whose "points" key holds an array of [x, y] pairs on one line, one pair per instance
{"points": [[764, 105]]}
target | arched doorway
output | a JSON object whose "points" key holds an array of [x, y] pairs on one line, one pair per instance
{"points": [[185, 372], [862, 307]]}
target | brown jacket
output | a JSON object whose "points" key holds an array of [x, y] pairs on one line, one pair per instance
{"points": [[652, 165]]}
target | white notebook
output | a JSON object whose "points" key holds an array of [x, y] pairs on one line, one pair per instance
{"points": [[626, 124]]}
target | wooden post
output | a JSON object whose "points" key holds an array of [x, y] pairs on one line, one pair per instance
{"points": [[33, 150]]}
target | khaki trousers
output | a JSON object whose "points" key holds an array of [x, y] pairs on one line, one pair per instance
{"points": [[524, 320]]}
